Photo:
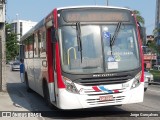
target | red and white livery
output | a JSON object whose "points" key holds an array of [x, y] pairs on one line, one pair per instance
{"points": [[83, 57]]}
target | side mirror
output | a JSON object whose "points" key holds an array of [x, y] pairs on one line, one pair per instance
{"points": [[141, 30], [54, 35]]}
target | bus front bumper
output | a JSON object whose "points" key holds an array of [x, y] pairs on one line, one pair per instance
{"points": [[67, 100]]}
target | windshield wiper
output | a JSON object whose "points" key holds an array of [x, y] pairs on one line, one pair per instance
{"points": [[115, 35], [79, 41]]}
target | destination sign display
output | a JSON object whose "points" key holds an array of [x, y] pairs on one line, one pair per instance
{"points": [[96, 15]]}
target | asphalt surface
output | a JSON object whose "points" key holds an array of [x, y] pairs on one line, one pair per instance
{"points": [[150, 106]]}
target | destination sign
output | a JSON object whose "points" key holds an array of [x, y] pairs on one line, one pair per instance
{"points": [[96, 15]]}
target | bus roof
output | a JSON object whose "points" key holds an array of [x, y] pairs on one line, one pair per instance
{"points": [[42, 22], [92, 6]]}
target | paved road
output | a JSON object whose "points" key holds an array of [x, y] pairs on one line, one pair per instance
{"points": [[151, 103]]}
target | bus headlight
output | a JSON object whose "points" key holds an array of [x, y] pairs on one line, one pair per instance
{"points": [[136, 81], [70, 85]]}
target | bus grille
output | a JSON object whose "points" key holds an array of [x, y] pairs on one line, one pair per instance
{"points": [[103, 81]]}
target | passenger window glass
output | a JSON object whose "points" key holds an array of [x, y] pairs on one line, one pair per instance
{"points": [[43, 44], [30, 46], [26, 48], [36, 51]]}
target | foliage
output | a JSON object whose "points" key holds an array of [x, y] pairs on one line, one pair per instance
{"points": [[152, 45], [140, 19], [156, 31], [156, 75], [12, 47]]}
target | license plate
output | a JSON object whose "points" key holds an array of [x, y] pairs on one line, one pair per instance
{"points": [[106, 98]]}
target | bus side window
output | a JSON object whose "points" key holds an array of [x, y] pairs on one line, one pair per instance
{"points": [[36, 46], [30, 46], [22, 51], [25, 48], [54, 56], [43, 44], [39, 43]]}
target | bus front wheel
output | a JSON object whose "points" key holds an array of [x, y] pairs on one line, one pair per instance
{"points": [[46, 95]]}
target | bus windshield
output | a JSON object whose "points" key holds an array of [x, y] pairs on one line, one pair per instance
{"points": [[96, 54]]}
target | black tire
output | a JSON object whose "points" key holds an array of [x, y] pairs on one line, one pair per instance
{"points": [[46, 95], [27, 84], [145, 89]]}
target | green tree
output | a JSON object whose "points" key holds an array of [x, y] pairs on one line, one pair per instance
{"points": [[140, 19], [152, 45], [12, 47]]}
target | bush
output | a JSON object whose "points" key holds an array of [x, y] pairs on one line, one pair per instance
{"points": [[156, 75]]}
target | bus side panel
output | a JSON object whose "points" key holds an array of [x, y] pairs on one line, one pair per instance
{"points": [[40, 60], [38, 75], [30, 73]]}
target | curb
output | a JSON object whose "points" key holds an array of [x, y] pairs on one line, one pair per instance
{"points": [[156, 83]]}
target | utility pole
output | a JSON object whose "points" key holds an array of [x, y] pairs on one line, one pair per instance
{"points": [[2, 47], [107, 2]]}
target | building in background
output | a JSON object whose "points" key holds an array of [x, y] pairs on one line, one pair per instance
{"points": [[157, 29], [157, 18], [20, 27], [157, 23], [150, 58]]}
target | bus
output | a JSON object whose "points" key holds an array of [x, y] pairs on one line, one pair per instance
{"points": [[85, 56]]}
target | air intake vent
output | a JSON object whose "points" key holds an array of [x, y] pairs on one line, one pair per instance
{"points": [[104, 81]]}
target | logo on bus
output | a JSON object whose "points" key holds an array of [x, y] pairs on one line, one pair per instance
{"points": [[104, 75]]}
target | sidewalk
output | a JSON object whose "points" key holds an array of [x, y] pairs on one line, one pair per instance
{"points": [[13, 100], [10, 105]]}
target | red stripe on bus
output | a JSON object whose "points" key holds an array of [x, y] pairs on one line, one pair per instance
{"points": [[140, 48], [58, 68], [50, 57], [58, 64], [96, 88], [116, 91]]}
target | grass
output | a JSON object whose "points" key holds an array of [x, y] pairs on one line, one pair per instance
{"points": [[156, 75]]}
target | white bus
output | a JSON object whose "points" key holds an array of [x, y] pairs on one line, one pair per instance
{"points": [[83, 57]]}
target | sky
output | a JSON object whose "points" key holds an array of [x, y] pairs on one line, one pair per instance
{"points": [[36, 10]]}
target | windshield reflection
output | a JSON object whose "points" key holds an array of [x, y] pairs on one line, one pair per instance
{"points": [[96, 50]]}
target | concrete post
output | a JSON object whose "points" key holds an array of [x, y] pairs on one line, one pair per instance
{"points": [[2, 47], [107, 2]]}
